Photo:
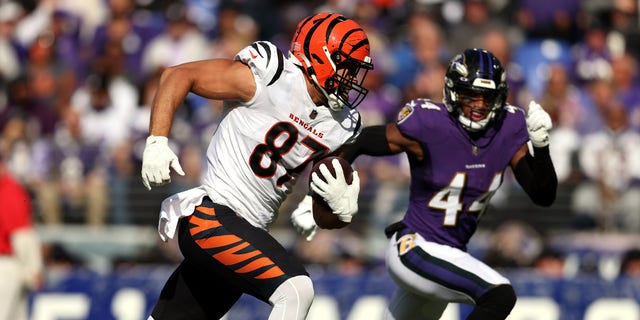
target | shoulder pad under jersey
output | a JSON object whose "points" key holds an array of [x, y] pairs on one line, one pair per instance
{"points": [[409, 107], [265, 59], [513, 109]]}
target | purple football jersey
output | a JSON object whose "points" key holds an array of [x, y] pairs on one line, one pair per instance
{"points": [[451, 187]]}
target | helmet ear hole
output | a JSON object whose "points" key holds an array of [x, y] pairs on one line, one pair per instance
{"points": [[336, 57], [330, 82]]}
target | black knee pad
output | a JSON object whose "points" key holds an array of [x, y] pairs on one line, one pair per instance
{"points": [[498, 301]]}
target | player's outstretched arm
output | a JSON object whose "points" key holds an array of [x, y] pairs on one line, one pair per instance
{"points": [[536, 173], [219, 79], [381, 140]]}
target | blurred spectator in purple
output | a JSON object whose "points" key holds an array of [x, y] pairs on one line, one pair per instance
{"points": [[33, 20], [27, 27], [205, 14], [236, 30], [65, 28], [89, 13], [422, 48], [591, 56], [428, 83], [11, 53], [105, 106], [179, 42], [45, 19], [562, 100], [109, 99], [14, 99], [51, 83], [28, 152], [381, 104], [625, 83], [549, 18], [596, 96], [125, 33], [623, 17], [477, 20], [98, 128], [609, 198]]}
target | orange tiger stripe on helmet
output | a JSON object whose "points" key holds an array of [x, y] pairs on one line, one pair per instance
{"points": [[335, 32]]}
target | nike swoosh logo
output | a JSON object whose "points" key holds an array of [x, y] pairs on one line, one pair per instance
{"points": [[253, 56]]}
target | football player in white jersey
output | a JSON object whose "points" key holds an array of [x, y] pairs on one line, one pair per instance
{"points": [[280, 113]]}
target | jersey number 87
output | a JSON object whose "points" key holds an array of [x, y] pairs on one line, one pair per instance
{"points": [[278, 141]]}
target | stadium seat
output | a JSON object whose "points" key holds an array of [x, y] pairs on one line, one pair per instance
{"points": [[129, 304], [324, 307], [529, 308], [613, 309], [367, 308], [52, 306]]}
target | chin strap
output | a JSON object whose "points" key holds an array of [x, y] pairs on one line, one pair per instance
{"points": [[332, 99], [475, 126]]}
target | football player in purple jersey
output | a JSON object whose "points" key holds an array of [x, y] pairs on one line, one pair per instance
{"points": [[458, 152]]}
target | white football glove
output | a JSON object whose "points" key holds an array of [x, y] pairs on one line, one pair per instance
{"points": [[341, 197], [157, 158], [538, 125], [302, 218]]}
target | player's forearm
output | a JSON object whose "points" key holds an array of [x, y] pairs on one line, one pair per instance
{"points": [[173, 88], [537, 176], [372, 141]]}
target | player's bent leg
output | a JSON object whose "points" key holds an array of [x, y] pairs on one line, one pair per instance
{"points": [[245, 258], [292, 299], [443, 273], [405, 305], [495, 304], [192, 294]]}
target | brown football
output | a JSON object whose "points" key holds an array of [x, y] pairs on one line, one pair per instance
{"points": [[322, 213]]}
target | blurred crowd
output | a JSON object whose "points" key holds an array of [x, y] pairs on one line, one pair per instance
{"points": [[76, 79]]}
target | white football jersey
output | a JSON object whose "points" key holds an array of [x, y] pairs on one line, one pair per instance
{"points": [[261, 146]]}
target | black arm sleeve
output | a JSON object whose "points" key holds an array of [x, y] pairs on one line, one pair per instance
{"points": [[371, 141], [537, 176]]}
